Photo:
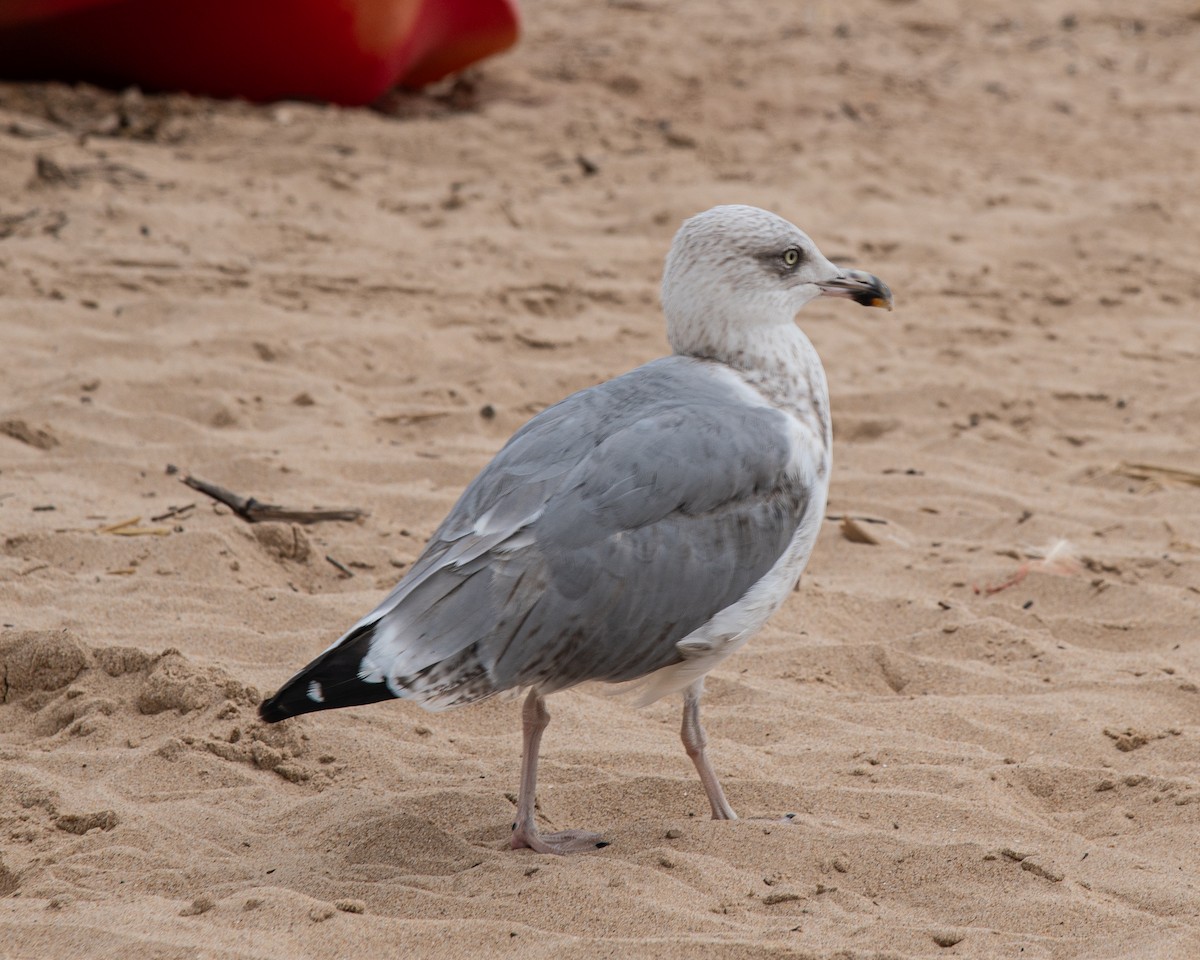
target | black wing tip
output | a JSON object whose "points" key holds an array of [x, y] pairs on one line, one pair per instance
{"points": [[295, 699], [332, 680], [270, 711]]}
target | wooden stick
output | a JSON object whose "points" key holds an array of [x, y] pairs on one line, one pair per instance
{"points": [[254, 511], [341, 566]]}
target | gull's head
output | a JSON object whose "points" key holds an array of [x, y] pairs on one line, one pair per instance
{"points": [[735, 268]]}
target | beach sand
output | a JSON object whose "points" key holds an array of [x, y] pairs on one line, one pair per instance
{"points": [[322, 306]]}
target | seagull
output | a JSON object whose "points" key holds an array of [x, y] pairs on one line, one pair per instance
{"points": [[637, 532]]}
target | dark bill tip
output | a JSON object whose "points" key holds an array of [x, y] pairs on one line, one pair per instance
{"points": [[859, 286]]}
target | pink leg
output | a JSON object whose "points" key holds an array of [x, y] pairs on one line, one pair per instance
{"points": [[694, 742], [535, 718]]}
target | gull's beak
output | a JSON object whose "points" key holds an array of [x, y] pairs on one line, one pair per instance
{"points": [[859, 286]]}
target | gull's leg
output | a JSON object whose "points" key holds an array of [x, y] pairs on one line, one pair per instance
{"points": [[694, 742], [535, 718]]}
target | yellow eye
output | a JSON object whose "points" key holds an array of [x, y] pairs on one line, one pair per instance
{"points": [[791, 256]]}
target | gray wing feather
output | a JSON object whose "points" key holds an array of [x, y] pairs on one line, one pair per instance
{"points": [[609, 528]]}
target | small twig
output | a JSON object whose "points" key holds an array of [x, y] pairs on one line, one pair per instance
{"points": [[341, 566], [846, 516], [254, 511], [415, 417], [114, 527], [129, 528], [173, 512], [1150, 471], [506, 209]]}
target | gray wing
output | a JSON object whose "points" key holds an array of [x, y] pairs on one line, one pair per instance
{"points": [[609, 528]]}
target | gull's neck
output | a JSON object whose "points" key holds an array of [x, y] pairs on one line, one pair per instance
{"points": [[780, 362]]}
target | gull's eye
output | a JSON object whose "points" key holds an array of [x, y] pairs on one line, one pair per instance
{"points": [[791, 256]]}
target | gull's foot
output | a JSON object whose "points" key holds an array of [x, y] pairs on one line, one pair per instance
{"points": [[565, 841]]}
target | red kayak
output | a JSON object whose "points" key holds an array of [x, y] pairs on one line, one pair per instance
{"points": [[345, 51]]}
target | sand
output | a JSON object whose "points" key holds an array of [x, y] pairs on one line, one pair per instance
{"points": [[319, 306]]}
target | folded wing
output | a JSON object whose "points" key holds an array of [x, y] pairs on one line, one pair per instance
{"points": [[610, 527]]}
